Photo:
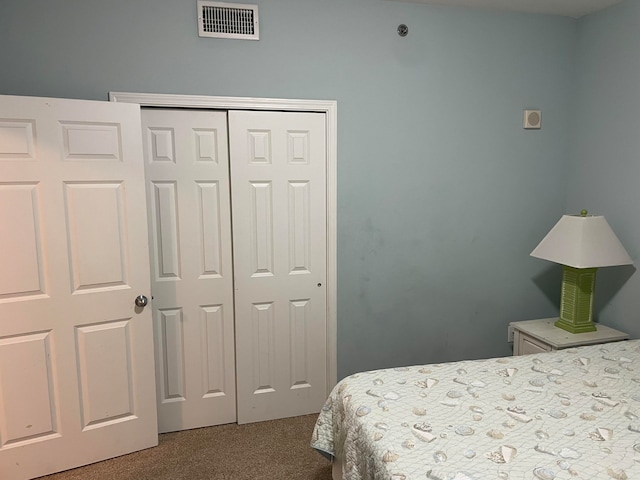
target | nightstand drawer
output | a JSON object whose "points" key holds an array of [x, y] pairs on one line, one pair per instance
{"points": [[525, 345]]}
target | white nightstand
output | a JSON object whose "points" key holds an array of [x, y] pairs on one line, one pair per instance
{"points": [[536, 336]]}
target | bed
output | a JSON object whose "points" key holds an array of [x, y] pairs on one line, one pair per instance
{"points": [[571, 414]]}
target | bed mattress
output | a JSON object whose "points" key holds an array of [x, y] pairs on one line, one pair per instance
{"points": [[572, 414]]}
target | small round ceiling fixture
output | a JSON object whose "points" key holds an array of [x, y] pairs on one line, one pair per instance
{"points": [[403, 30]]}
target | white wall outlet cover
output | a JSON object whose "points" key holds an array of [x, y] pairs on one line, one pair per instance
{"points": [[510, 334], [532, 119]]}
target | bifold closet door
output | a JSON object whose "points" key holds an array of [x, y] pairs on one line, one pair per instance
{"points": [[187, 175], [278, 172]]}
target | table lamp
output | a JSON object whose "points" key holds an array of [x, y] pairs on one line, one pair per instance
{"points": [[581, 243]]}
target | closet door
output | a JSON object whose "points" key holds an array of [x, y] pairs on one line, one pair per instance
{"points": [[278, 171], [187, 175]]}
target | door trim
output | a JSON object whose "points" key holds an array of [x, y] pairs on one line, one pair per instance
{"points": [[330, 109]]}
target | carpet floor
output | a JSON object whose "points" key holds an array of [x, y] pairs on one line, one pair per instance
{"points": [[278, 449]]}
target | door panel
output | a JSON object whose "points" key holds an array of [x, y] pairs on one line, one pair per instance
{"points": [[278, 172], [95, 218], [76, 356], [192, 275], [21, 245], [29, 408]]}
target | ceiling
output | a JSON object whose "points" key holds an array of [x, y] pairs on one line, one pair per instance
{"points": [[568, 8]]}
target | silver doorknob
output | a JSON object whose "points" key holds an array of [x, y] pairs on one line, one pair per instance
{"points": [[141, 301]]}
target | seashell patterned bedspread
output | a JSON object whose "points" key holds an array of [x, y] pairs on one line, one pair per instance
{"points": [[572, 414]]}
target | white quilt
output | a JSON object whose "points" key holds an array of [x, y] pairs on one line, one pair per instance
{"points": [[573, 414]]}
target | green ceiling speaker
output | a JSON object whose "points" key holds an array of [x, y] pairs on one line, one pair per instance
{"points": [[581, 244]]}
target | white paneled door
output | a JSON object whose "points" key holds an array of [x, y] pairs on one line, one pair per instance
{"points": [[278, 176], [278, 268], [76, 354], [187, 172]]}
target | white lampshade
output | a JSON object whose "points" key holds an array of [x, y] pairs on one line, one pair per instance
{"points": [[582, 242]]}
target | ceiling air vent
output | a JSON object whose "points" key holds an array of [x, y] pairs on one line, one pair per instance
{"points": [[228, 20]]}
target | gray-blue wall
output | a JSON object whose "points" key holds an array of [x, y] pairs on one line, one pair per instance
{"points": [[604, 160], [441, 193]]}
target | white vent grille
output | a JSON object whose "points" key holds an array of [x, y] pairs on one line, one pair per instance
{"points": [[228, 20]]}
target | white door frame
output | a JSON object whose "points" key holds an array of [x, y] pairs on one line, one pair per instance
{"points": [[330, 109]]}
